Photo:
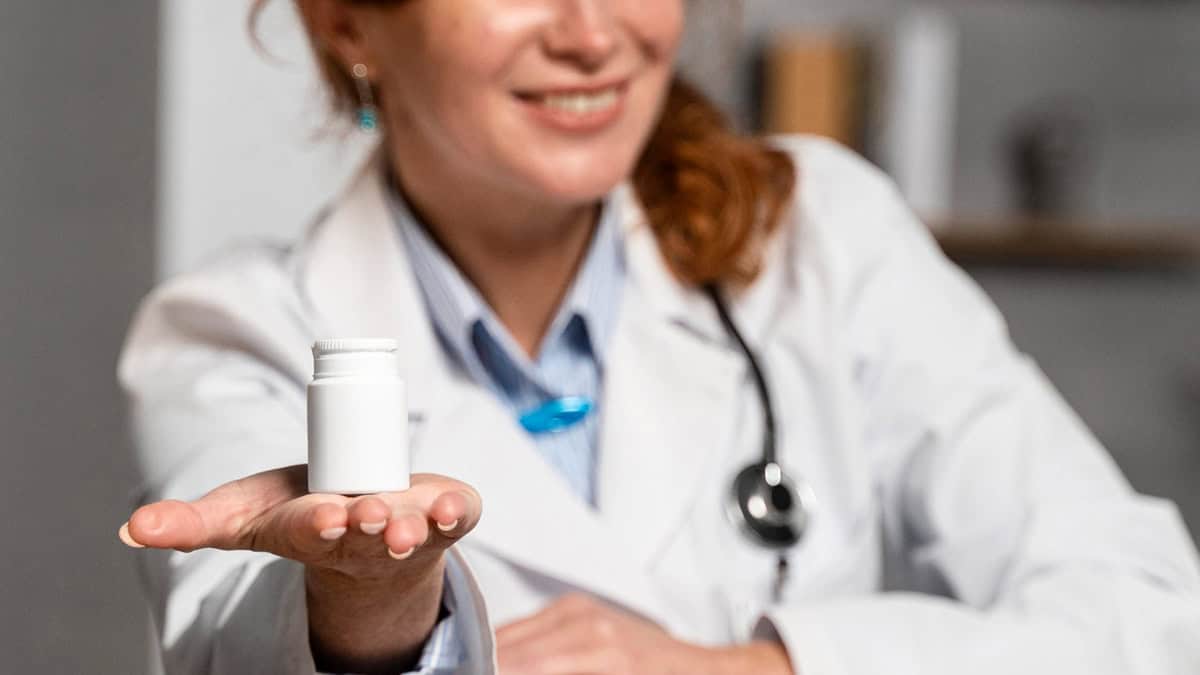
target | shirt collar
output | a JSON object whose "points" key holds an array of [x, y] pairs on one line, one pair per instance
{"points": [[596, 289], [457, 308]]}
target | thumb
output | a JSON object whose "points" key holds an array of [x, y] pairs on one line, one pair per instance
{"points": [[180, 525], [219, 519]]}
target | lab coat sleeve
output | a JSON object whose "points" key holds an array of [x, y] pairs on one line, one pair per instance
{"points": [[1025, 549], [216, 394]]}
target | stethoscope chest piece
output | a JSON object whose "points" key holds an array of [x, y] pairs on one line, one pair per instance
{"points": [[769, 507]]}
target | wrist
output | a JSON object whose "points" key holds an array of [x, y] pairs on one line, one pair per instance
{"points": [[376, 622], [364, 584]]}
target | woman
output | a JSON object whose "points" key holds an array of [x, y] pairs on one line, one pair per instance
{"points": [[547, 215]]}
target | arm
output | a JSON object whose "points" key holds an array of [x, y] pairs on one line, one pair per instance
{"points": [[205, 414], [993, 492]]}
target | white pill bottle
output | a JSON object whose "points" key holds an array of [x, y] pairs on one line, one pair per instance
{"points": [[357, 418]]}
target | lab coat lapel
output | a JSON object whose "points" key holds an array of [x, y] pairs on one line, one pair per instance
{"points": [[360, 284], [531, 517], [670, 387]]}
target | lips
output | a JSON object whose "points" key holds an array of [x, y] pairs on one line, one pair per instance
{"points": [[577, 109]]}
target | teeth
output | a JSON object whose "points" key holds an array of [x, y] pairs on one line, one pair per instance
{"points": [[581, 104]]}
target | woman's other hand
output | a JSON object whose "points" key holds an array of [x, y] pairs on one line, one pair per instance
{"points": [[374, 563], [578, 634]]}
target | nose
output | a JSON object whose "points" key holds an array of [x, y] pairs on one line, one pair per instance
{"points": [[584, 31]]}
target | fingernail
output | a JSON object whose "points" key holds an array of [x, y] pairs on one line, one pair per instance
{"points": [[373, 528], [333, 533], [126, 539], [448, 528], [402, 556]]}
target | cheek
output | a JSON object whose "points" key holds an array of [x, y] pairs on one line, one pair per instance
{"points": [[441, 50], [480, 40], [657, 25], [448, 82]]}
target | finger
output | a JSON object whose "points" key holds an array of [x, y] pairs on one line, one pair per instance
{"points": [[580, 661], [407, 531], [569, 650], [451, 515], [427, 489], [369, 515], [329, 520], [453, 508], [587, 660], [551, 617], [170, 524], [219, 518]]}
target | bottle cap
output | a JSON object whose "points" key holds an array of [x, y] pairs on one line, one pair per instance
{"points": [[355, 356], [354, 345]]}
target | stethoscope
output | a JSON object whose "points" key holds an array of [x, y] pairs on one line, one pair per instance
{"points": [[769, 507]]}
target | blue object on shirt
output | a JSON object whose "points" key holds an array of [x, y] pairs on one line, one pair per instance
{"points": [[556, 414]]}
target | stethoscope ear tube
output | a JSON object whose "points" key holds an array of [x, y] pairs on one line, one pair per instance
{"points": [[767, 505], [760, 380]]}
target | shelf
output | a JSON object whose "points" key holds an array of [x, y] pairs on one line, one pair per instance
{"points": [[1065, 244]]}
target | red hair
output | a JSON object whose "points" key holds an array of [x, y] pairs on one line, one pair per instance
{"points": [[711, 195]]}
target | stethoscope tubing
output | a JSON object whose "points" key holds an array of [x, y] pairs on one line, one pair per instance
{"points": [[765, 504]]}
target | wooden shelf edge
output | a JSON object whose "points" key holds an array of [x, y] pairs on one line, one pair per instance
{"points": [[1067, 247]]}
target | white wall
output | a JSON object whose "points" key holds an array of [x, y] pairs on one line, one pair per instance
{"points": [[248, 148]]}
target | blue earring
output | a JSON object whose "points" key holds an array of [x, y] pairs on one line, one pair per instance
{"points": [[367, 114]]}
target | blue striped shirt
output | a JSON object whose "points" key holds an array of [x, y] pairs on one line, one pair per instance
{"points": [[569, 362]]}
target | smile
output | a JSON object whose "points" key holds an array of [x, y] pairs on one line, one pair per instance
{"points": [[582, 103], [577, 110]]}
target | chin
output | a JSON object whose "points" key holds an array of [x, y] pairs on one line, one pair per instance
{"points": [[583, 177]]}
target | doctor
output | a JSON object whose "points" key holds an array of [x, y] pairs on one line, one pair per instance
{"points": [[547, 208]]}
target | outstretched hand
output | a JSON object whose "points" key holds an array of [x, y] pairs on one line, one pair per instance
{"points": [[273, 512], [373, 564]]}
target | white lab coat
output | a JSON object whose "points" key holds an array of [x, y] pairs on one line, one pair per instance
{"points": [[967, 522]]}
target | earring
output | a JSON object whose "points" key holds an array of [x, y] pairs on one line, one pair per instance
{"points": [[367, 114]]}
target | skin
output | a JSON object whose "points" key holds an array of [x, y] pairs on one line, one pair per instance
{"points": [[579, 634], [514, 202]]}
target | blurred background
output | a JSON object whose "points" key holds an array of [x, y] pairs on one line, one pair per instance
{"points": [[1051, 145]]}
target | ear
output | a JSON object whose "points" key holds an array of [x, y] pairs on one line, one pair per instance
{"points": [[336, 29]]}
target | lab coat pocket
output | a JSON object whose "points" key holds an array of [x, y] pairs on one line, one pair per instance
{"points": [[714, 577]]}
